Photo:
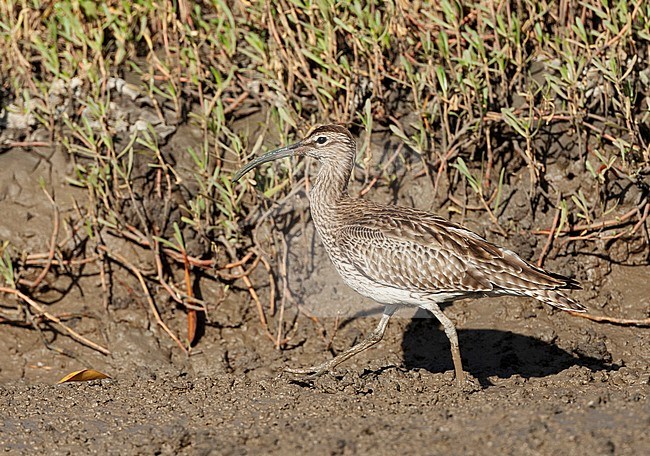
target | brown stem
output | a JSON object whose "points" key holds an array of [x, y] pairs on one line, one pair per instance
{"points": [[54, 319]]}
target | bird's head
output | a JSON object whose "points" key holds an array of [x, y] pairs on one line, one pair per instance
{"points": [[329, 144]]}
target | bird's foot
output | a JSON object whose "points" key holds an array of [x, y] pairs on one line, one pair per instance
{"points": [[310, 373], [467, 383]]}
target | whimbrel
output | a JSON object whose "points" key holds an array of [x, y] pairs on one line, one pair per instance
{"points": [[400, 256]]}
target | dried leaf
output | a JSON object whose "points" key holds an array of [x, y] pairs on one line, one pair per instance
{"points": [[84, 375]]}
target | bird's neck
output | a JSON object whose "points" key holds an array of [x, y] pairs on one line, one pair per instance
{"points": [[330, 188]]}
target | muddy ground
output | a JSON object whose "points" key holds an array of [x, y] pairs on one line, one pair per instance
{"points": [[541, 381]]}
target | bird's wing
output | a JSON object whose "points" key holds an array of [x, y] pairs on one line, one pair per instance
{"points": [[422, 252]]}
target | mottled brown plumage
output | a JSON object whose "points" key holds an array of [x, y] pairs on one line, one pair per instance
{"points": [[401, 256]]}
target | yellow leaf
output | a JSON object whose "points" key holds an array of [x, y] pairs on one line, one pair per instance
{"points": [[84, 375]]}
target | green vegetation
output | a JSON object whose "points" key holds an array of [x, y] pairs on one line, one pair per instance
{"points": [[487, 86]]}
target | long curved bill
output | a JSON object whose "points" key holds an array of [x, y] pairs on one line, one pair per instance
{"points": [[283, 152]]}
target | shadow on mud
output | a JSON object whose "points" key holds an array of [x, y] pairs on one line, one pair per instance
{"points": [[487, 353]]}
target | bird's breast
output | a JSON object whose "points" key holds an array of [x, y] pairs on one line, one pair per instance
{"points": [[364, 285]]}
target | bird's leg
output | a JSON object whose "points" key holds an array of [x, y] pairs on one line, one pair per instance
{"points": [[375, 336], [450, 331]]}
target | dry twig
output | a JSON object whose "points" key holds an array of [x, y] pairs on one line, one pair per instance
{"points": [[152, 305], [613, 320], [57, 321], [50, 256]]}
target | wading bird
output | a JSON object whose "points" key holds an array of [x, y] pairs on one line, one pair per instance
{"points": [[400, 256]]}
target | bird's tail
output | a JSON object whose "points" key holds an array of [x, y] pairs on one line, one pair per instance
{"points": [[557, 298]]}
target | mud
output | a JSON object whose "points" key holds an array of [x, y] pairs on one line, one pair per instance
{"points": [[541, 381]]}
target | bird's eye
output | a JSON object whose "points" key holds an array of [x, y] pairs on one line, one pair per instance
{"points": [[321, 140]]}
